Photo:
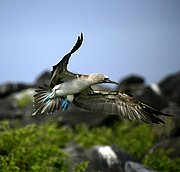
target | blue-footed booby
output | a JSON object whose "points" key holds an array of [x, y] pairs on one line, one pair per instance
{"points": [[67, 87]]}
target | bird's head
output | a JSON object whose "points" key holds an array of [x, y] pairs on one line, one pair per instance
{"points": [[100, 78]]}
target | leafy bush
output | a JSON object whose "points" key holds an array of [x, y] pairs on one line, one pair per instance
{"points": [[34, 148], [24, 97], [40, 147], [25, 100], [81, 167], [124, 134], [161, 162]]}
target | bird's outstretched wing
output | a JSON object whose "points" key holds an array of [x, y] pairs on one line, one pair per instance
{"points": [[117, 103], [60, 71]]}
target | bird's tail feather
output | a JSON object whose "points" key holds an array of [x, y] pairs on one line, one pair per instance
{"points": [[43, 103]]}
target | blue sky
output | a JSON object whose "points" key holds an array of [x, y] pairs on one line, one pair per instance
{"points": [[121, 37]]}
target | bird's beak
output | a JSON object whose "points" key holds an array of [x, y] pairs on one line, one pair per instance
{"points": [[107, 80]]}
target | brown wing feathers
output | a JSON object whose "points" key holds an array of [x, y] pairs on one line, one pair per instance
{"points": [[61, 67], [117, 103]]}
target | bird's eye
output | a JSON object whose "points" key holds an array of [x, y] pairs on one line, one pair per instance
{"points": [[106, 78]]}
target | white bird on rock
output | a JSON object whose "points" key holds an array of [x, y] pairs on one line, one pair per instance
{"points": [[67, 87]]}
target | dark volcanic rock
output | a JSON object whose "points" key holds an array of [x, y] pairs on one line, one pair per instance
{"points": [[172, 126], [131, 166], [43, 79], [171, 146], [75, 116], [150, 97], [9, 88], [19, 106], [170, 87], [9, 110], [100, 158], [131, 84], [174, 110], [135, 86]]}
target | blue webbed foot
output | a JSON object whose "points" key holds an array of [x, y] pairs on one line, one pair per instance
{"points": [[64, 104]]}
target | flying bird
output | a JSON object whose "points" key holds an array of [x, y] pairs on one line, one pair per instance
{"points": [[67, 87]]}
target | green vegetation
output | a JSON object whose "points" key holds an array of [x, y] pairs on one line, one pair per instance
{"points": [[40, 147], [23, 101], [81, 167], [127, 136], [33, 148], [161, 162]]}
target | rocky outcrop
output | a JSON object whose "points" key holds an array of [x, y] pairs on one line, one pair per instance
{"points": [[170, 88], [172, 147], [99, 158], [9, 88], [16, 102], [131, 166], [149, 94]]}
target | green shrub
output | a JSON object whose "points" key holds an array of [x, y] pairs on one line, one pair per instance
{"points": [[81, 167], [23, 101], [40, 147], [161, 162], [34, 148], [124, 134]]}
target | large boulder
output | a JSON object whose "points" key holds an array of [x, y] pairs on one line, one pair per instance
{"points": [[171, 146], [172, 126], [151, 97], [99, 158], [8, 88], [9, 110], [134, 85], [170, 87], [43, 79], [131, 166], [131, 84]]}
